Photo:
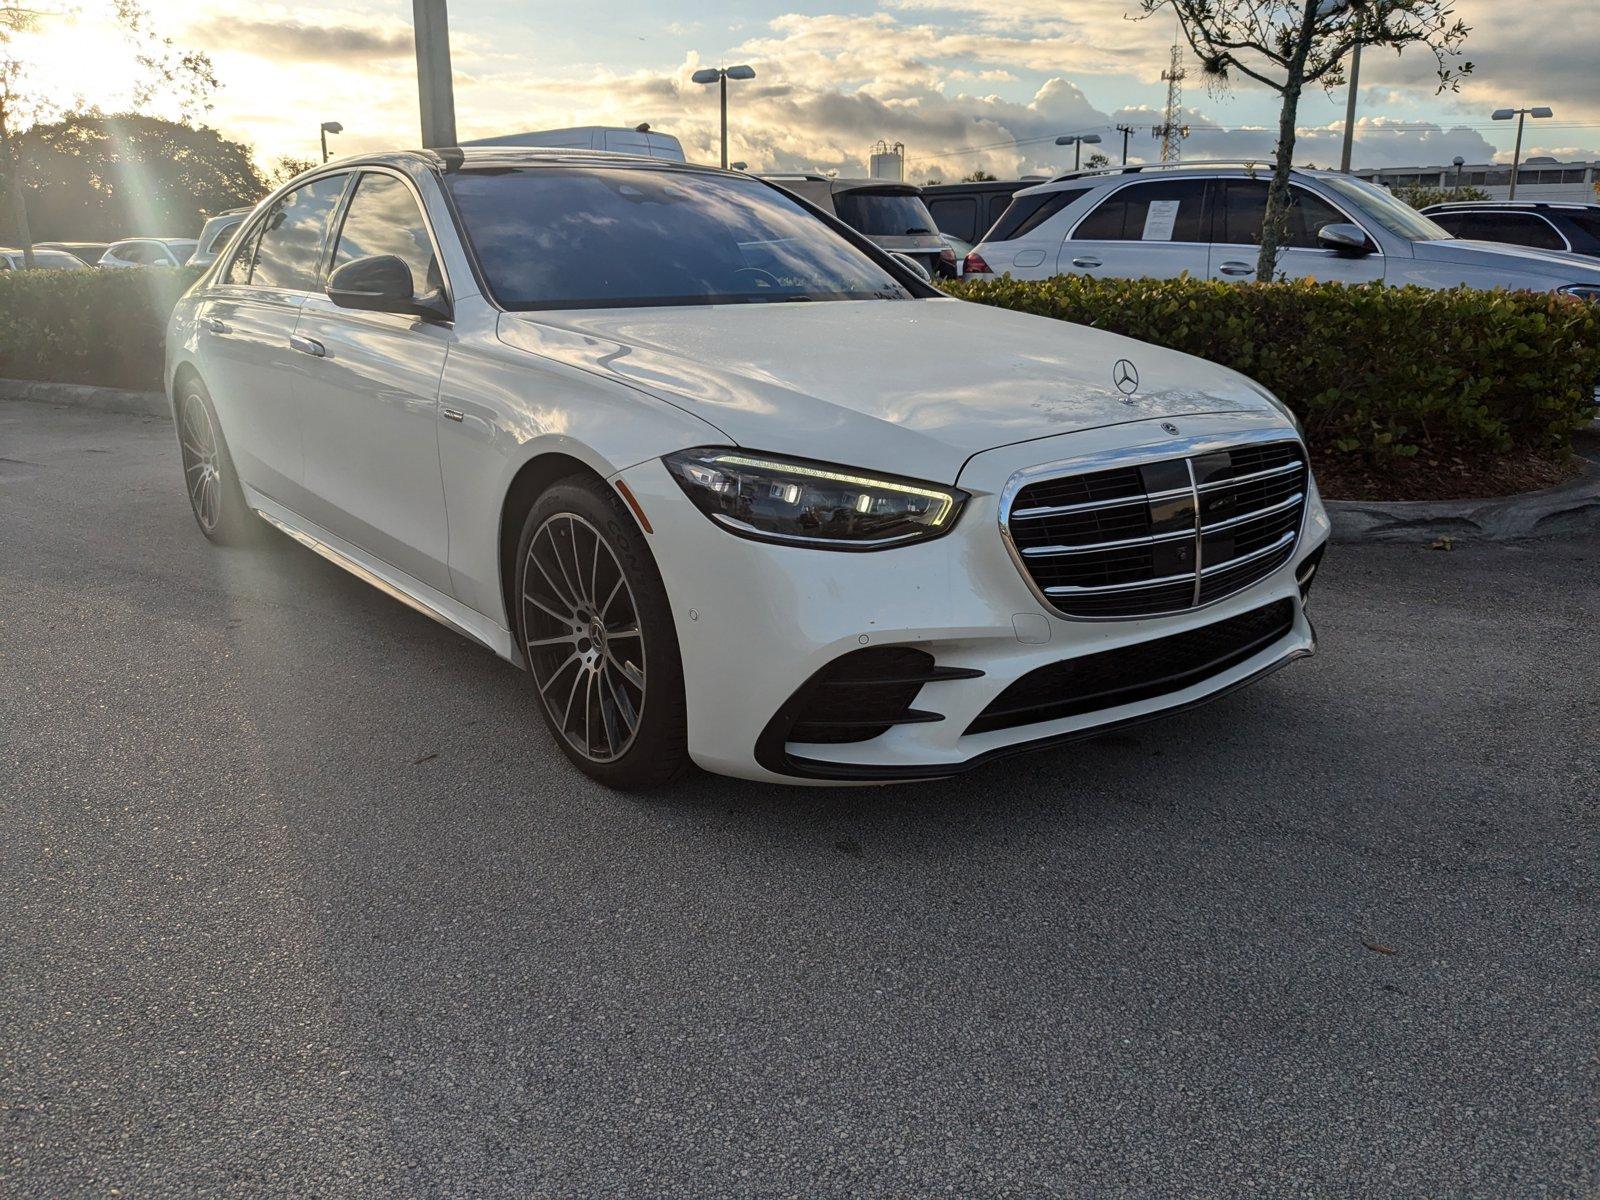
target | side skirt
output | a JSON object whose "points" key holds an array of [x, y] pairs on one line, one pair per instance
{"points": [[392, 582]]}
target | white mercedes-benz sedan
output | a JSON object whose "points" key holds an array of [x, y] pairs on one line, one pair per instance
{"points": [[733, 485]]}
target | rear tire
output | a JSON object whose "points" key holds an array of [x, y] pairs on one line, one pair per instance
{"points": [[597, 635], [215, 496]]}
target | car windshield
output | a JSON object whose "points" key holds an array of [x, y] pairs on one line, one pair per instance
{"points": [[612, 237], [1398, 217], [884, 213]]}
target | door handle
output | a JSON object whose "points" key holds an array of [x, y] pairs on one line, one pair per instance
{"points": [[307, 346], [214, 325], [1236, 268], [1086, 261]]}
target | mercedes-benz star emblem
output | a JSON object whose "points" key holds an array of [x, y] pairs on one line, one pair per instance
{"points": [[1126, 376], [1170, 428]]}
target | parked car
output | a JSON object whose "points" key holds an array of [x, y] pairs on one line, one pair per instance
{"points": [[214, 235], [1541, 225], [87, 253], [44, 259], [148, 252], [891, 214], [640, 140], [1204, 219], [967, 210], [954, 256], [570, 407]]}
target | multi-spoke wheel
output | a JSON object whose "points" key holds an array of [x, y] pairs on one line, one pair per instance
{"points": [[208, 475], [597, 634]]}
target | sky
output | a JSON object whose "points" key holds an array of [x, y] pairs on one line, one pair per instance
{"points": [[959, 82]]}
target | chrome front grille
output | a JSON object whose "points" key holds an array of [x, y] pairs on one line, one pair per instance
{"points": [[1163, 536]]}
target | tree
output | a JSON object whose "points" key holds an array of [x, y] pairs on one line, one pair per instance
{"points": [[1420, 197], [1287, 44], [285, 167], [978, 176], [1095, 161], [186, 76], [93, 177]]}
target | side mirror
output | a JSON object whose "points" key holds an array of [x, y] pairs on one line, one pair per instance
{"points": [[382, 283], [1345, 239], [912, 265]]}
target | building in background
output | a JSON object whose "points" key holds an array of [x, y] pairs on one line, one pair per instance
{"points": [[888, 162], [1537, 179]]}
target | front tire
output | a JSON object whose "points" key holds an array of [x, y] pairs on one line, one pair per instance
{"points": [[597, 635], [215, 496]]}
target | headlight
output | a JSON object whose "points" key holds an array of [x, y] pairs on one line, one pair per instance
{"points": [[812, 504], [1583, 291]]}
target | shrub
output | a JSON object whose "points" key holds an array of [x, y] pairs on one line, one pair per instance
{"points": [[1376, 371], [1420, 197], [101, 327]]}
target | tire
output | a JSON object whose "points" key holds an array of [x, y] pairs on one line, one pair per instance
{"points": [[215, 497], [597, 636]]}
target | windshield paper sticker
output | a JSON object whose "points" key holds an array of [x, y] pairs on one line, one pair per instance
{"points": [[1160, 220]]}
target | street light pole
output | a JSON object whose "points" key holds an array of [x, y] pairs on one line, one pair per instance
{"points": [[1125, 130], [1350, 109], [327, 128], [720, 76], [431, 25], [1505, 114], [1078, 139], [1459, 163]]}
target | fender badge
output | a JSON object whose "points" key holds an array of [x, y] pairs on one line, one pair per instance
{"points": [[1126, 376], [1169, 427]]}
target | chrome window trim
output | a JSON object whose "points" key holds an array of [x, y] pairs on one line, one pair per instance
{"points": [[1186, 448]]}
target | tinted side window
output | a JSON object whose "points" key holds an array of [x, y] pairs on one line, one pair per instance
{"points": [[244, 257], [1519, 229], [1162, 210], [957, 216], [383, 218], [1245, 205], [290, 248], [998, 203], [1587, 222], [1026, 213]]}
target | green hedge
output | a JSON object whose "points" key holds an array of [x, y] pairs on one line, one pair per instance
{"points": [[102, 327], [1378, 371]]}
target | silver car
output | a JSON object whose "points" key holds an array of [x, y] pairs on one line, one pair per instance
{"points": [[1204, 220]]}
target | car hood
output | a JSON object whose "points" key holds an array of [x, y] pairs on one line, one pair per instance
{"points": [[914, 387], [1570, 268]]}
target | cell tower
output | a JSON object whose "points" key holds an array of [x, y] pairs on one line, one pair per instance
{"points": [[1169, 131]]}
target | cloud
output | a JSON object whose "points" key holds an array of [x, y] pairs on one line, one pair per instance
{"points": [[291, 40]]}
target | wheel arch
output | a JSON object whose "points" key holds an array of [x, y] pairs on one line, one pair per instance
{"points": [[532, 480]]}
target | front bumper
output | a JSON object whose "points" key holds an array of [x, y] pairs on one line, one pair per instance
{"points": [[755, 621]]}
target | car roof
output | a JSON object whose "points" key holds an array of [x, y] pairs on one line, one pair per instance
{"points": [[1511, 205], [455, 158]]}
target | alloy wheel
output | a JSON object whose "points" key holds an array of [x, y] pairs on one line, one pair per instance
{"points": [[584, 641], [202, 464]]}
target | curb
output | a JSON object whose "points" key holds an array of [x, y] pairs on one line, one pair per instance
{"points": [[77, 395], [1568, 509]]}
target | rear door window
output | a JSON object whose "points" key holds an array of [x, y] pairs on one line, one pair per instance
{"points": [[289, 252], [1161, 210]]}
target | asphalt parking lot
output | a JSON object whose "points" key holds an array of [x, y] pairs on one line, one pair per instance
{"points": [[297, 896]]}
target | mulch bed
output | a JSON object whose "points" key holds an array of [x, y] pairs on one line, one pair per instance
{"points": [[1346, 477]]}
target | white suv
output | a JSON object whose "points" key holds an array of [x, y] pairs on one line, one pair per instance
{"points": [[729, 481], [1204, 220]]}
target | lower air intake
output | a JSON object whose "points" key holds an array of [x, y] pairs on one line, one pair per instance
{"points": [[1142, 671]]}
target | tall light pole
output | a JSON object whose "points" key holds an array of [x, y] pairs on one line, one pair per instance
{"points": [[327, 128], [1078, 139], [1505, 114], [1330, 8], [721, 75], [431, 24], [1125, 131], [1459, 162]]}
